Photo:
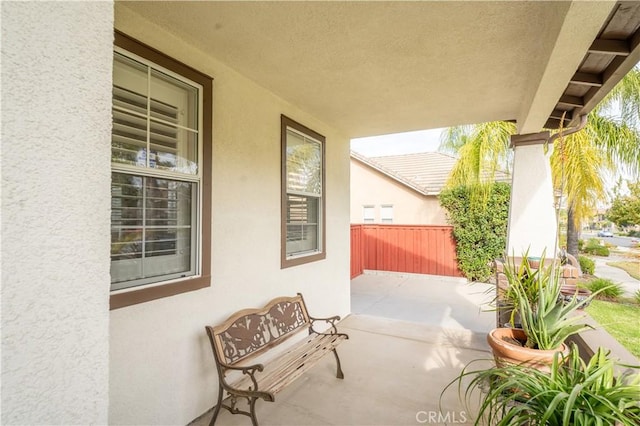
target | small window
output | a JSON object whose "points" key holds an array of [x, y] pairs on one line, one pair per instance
{"points": [[160, 175], [368, 214], [303, 196], [386, 213]]}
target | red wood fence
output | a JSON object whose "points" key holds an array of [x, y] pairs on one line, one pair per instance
{"points": [[404, 248]]}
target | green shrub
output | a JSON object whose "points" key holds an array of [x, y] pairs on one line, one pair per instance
{"points": [[587, 265], [580, 244], [592, 242], [608, 289], [636, 296], [479, 226], [593, 246], [597, 250], [633, 233]]}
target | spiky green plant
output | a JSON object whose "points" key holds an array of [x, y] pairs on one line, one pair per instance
{"points": [[573, 393], [523, 281], [550, 321], [546, 319], [607, 289]]}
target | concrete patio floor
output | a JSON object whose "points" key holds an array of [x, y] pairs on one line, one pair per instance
{"points": [[410, 335]]}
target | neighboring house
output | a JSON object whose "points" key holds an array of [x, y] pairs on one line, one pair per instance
{"points": [[165, 164], [401, 189]]}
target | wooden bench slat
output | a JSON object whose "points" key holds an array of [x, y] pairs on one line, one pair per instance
{"points": [[305, 364], [305, 354]]}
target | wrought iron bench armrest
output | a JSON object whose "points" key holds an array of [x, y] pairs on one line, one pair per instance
{"points": [[330, 320], [249, 370]]}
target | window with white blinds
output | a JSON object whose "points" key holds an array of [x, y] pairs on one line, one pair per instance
{"points": [[303, 194], [156, 173], [386, 213], [368, 214]]}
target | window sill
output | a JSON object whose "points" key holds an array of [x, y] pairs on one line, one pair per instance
{"points": [[133, 297], [302, 259]]}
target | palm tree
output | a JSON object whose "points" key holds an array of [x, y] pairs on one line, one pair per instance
{"points": [[579, 162]]}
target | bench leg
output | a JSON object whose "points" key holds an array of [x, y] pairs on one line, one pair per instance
{"points": [[216, 410], [339, 373], [252, 404]]}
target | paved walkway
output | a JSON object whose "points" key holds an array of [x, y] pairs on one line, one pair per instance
{"points": [[617, 275], [446, 302]]}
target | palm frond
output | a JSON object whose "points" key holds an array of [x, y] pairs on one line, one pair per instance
{"points": [[625, 97], [578, 168], [617, 141]]}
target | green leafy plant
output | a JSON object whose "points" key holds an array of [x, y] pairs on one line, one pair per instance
{"points": [[636, 296], [574, 392], [606, 288], [593, 246], [546, 319], [524, 281], [480, 229], [587, 265]]}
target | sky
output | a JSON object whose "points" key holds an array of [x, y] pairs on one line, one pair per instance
{"points": [[399, 143]]}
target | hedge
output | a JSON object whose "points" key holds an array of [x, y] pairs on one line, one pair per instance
{"points": [[479, 226]]}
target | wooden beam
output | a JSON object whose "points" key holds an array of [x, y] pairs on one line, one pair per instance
{"points": [[557, 113], [552, 123], [610, 47], [574, 101], [586, 79], [529, 139]]}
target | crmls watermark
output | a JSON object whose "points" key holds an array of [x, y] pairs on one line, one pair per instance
{"points": [[437, 417]]}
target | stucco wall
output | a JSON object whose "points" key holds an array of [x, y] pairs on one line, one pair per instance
{"points": [[369, 187], [162, 369], [56, 121]]}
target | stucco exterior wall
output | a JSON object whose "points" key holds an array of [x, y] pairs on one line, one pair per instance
{"points": [[162, 369], [370, 187], [56, 122]]}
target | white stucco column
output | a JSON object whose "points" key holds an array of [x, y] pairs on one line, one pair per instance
{"points": [[56, 124], [532, 217]]}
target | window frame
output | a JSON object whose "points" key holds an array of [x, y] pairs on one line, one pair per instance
{"points": [[287, 262], [202, 279], [365, 209], [385, 208]]}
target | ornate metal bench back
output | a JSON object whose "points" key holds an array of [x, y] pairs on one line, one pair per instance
{"points": [[250, 331]]}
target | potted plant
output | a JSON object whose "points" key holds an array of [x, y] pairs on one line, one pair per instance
{"points": [[573, 392], [546, 318], [525, 273]]}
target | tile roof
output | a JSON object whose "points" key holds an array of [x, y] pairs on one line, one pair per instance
{"points": [[425, 172]]}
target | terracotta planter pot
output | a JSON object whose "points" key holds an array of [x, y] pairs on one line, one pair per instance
{"points": [[507, 353]]}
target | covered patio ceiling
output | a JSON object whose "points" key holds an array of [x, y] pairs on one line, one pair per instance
{"points": [[373, 68]]}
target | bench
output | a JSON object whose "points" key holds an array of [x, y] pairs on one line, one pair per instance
{"points": [[248, 363]]}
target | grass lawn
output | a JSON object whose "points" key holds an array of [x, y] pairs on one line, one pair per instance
{"points": [[620, 320], [631, 267]]}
